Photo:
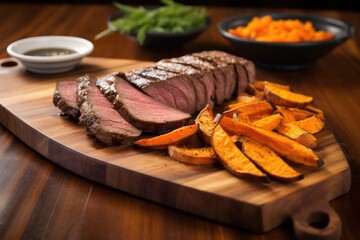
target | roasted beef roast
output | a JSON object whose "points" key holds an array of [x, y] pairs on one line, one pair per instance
{"points": [[100, 118], [139, 109], [156, 99]]}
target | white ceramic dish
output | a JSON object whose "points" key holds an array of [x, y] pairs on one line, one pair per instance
{"points": [[50, 64]]}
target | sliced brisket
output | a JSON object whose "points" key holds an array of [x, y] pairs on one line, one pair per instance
{"points": [[100, 118], [141, 110], [65, 98]]}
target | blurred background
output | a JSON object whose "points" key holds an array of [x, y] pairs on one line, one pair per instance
{"points": [[311, 4]]}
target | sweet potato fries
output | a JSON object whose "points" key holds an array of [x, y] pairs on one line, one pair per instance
{"points": [[258, 137]]}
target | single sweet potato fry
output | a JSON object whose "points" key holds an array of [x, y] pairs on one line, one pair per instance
{"points": [[312, 124], [295, 132], [270, 122], [205, 121], [315, 110], [171, 138], [241, 100], [286, 98], [255, 92], [259, 85], [232, 158], [282, 145], [237, 104], [254, 111], [235, 139], [300, 114], [245, 97], [268, 161], [288, 116], [241, 117], [193, 156]]}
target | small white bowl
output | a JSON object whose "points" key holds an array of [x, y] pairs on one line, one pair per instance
{"points": [[50, 64]]}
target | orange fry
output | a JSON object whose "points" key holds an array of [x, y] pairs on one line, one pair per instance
{"points": [[171, 138], [232, 158]]}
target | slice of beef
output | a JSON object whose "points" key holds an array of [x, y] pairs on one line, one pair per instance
{"points": [[225, 70], [100, 118], [65, 98], [166, 85], [211, 68], [192, 74], [250, 69], [203, 74], [223, 74], [244, 69], [164, 95], [143, 111], [242, 78]]}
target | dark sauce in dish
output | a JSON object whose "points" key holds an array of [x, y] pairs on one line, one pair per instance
{"points": [[49, 52]]}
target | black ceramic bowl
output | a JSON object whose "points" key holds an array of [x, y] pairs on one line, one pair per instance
{"points": [[286, 55], [164, 40]]}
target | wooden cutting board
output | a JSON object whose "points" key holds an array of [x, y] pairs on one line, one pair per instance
{"points": [[26, 109]]}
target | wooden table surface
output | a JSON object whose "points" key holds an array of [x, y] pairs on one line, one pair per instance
{"points": [[40, 200]]}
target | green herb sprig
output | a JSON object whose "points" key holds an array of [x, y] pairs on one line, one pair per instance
{"points": [[172, 17]]}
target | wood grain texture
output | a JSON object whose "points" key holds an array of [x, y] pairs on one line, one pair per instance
{"points": [[106, 213], [27, 111]]}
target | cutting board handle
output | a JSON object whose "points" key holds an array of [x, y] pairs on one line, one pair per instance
{"points": [[317, 221]]}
